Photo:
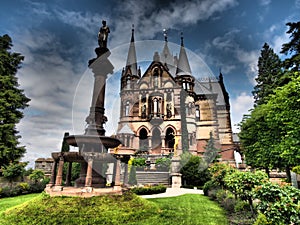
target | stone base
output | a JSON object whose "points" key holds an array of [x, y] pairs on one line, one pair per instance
{"points": [[176, 180], [85, 192]]}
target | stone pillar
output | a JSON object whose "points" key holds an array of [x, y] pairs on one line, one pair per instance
{"points": [[89, 173], [175, 174], [114, 173], [69, 174], [118, 176], [53, 174], [58, 181]]}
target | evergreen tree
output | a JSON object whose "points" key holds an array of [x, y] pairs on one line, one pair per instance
{"points": [[293, 47], [269, 74], [65, 147], [12, 102], [211, 153]]}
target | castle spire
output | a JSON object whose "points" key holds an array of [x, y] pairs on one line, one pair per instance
{"points": [[131, 57], [183, 66]]}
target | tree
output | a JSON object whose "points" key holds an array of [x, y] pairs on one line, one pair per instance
{"points": [[269, 75], [13, 170], [65, 147], [36, 176], [283, 115], [211, 153], [292, 48], [12, 102], [195, 171]]}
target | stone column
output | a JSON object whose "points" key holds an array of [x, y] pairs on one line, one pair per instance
{"points": [[60, 171], [89, 173], [53, 174], [118, 176], [69, 174]]}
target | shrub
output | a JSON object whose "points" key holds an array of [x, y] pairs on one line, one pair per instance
{"points": [[163, 163], [208, 186], [219, 171], [149, 190], [242, 184], [37, 175], [25, 187], [261, 220], [194, 172], [280, 205]]}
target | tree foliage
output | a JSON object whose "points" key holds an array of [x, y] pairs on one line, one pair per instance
{"points": [[37, 175], [269, 75], [211, 153], [195, 171], [292, 48], [13, 170], [12, 102]]}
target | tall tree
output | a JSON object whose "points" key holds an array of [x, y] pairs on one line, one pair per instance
{"points": [[283, 116], [269, 75], [292, 48], [12, 102], [211, 153]]}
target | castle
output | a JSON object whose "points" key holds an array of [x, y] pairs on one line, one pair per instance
{"points": [[166, 110]]}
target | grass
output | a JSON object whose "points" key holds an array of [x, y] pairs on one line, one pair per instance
{"points": [[127, 209], [6, 203]]}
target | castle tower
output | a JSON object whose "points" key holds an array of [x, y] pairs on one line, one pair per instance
{"points": [[131, 73]]}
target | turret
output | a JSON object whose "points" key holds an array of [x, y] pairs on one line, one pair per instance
{"points": [[130, 74], [184, 76]]}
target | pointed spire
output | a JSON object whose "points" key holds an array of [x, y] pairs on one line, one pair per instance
{"points": [[183, 66], [131, 57]]}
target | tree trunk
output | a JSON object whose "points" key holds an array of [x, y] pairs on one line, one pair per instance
{"points": [[288, 174]]}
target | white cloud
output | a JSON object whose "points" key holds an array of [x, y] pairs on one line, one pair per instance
{"points": [[240, 106], [265, 2]]}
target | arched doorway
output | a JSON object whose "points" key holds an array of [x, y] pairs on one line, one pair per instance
{"points": [[143, 140], [156, 140], [169, 140]]}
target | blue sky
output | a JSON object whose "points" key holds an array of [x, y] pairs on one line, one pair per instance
{"points": [[58, 38]]}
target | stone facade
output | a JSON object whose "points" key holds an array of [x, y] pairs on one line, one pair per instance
{"points": [[45, 165], [166, 110]]}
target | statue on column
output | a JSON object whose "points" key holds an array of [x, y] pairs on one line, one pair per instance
{"points": [[103, 35]]}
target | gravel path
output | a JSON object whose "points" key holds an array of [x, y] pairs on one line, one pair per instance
{"points": [[171, 192]]}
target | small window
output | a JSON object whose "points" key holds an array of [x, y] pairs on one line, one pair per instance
{"points": [[197, 113], [127, 109]]}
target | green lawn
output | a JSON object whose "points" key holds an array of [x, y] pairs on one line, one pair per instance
{"points": [[6, 203], [127, 209]]}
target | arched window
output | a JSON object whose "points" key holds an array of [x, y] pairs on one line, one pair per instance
{"points": [[156, 139], [169, 140], [155, 106], [197, 113], [127, 108], [128, 81], [143, 139]]}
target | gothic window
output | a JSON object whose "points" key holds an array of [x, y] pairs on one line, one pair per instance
{"points": [[184, 85], [155, 106], [169, 140], [169, 97], [197, 113], [155, 77], [128, 141], [127, 108], [187, 86], [143, 139], [128, 81]]}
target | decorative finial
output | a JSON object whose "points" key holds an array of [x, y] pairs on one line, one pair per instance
{"points": [[132, 33], [181, 34], [165, 34]]}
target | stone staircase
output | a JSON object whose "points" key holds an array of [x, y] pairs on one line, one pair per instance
{"points": [[153, 177]]}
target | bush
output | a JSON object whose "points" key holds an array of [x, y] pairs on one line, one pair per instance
{"points": [[261, 220], [280, 205], [149, 190], [219, 171], [208, 186]]}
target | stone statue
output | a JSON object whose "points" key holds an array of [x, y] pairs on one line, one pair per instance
{"points": [[103, 35]]}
